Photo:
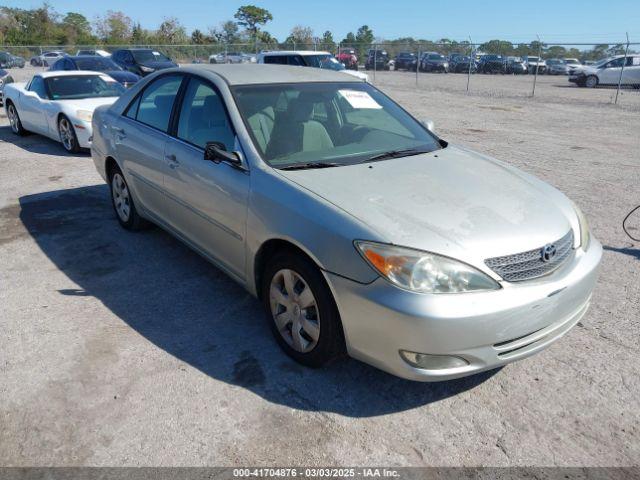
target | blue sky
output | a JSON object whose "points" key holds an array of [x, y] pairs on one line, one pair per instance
{"points": [[554, 20]]}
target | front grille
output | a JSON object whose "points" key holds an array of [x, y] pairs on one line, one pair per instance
{"points": [[528, 265]]}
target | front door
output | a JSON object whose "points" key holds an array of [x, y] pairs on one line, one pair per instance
{"points": [[208, 200]]}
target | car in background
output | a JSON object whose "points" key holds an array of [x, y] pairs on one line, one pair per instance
{"points": [[573, 64], [6, 60], [609, 72], [142, 61], [492, 64], [515, 66], [96, 64], [47, 58], [377, 60], [59, 105], [18, 61], [460, 64], [228, 57], [534, 64], [406, 61], [348, 57], [93, 53], [360, 231], [5, 79], [308, 58], [556, 66], [433, 62]]}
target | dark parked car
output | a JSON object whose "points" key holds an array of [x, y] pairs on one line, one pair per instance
{"points": [[142, 61], [5, 78], [406, 61], [460, 64], [18, 61], [97, 64], [377, 60], [434, 62], [515, 66], [491, 64], [6, 60]]}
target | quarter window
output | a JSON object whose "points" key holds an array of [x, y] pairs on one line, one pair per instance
{"points": [[203, 118], [156, 102], [37, 86]]}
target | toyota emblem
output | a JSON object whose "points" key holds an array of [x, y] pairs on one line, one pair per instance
{"points": [[548, 252]]}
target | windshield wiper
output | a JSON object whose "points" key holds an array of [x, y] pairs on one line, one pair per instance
{"points": [[310, 165], [396, 154]]}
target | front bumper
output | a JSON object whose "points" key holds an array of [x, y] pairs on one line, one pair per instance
{"points": [[487, 329]]}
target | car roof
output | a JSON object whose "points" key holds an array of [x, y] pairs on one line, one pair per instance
{"points": [[295, 52], [256, 74], [67, 73], [88, 57]]}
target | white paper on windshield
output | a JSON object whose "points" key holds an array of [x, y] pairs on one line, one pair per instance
{"points": [[359, 99], [157, 54]]}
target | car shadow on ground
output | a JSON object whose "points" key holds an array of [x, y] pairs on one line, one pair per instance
{"points": [[35, 143], [193, 311], [632, 252]]}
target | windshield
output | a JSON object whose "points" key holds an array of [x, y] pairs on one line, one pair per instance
{"points": [[532, 59], [143, 56], [324, 61], [599, 63], [338, 123], [572, 61], [98, 64], [435, 56], [82, 86]]}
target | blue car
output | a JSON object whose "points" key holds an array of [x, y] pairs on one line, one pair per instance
{"points": [[142, 61], [97, 64]]}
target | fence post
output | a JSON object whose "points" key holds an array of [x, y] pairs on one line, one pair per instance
{"points": [[472, 60], [535, 77], [375, 61], [626, 52], [417, 67]]}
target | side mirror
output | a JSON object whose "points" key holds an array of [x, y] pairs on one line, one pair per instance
{"points": [[216, 153], [428, 124]]}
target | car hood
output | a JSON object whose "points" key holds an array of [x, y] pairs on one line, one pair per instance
{"points": [[123, 76], [87, 103], [355, 73], [451, 201]]}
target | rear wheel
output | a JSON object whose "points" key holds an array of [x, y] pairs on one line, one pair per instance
{"points": [[122, 202], [68, 135], [301, 310], [14, 120]]}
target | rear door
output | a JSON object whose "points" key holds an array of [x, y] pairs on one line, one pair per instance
{"points": [[631, 75], [140, 136], [208, 200]]}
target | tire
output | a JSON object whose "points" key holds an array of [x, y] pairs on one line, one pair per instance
{"points": [[14, 120], [67, 135], [122, 202], [591, 81], [319, 339]]}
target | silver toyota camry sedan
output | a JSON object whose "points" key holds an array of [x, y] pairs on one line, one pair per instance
{"points": [[360, 230]]}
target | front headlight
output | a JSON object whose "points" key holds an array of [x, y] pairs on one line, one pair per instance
{"points": [[84, 115], [585, 235], [423, 272]]}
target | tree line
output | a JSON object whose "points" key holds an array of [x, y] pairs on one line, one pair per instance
{"points": [[45, 26]]}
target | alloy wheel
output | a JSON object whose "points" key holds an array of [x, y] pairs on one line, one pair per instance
{"points": [[66, 134], [13, 118], [121, 197], [294, 310]]}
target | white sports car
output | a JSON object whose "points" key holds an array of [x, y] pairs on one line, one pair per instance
{"points": [[60, 105]]}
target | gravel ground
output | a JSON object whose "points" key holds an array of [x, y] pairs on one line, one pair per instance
{"points": [[129, 349]]}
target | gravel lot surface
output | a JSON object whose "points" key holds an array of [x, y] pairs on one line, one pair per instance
{"points": [[129, 349]]}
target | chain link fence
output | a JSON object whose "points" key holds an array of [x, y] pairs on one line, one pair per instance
{"points": [[581, 72]]}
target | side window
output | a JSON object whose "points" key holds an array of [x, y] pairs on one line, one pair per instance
{"points": [[296, 60], [203, 118], [276, 59], [37, 86], [156, 102], [132, 111]]}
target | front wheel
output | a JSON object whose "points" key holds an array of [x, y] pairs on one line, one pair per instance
{"points": [[67, 135], [122, 202], [591, 81], [301, 310]]}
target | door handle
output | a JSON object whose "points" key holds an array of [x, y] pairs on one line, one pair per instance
{"points": [[172, 161]]}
